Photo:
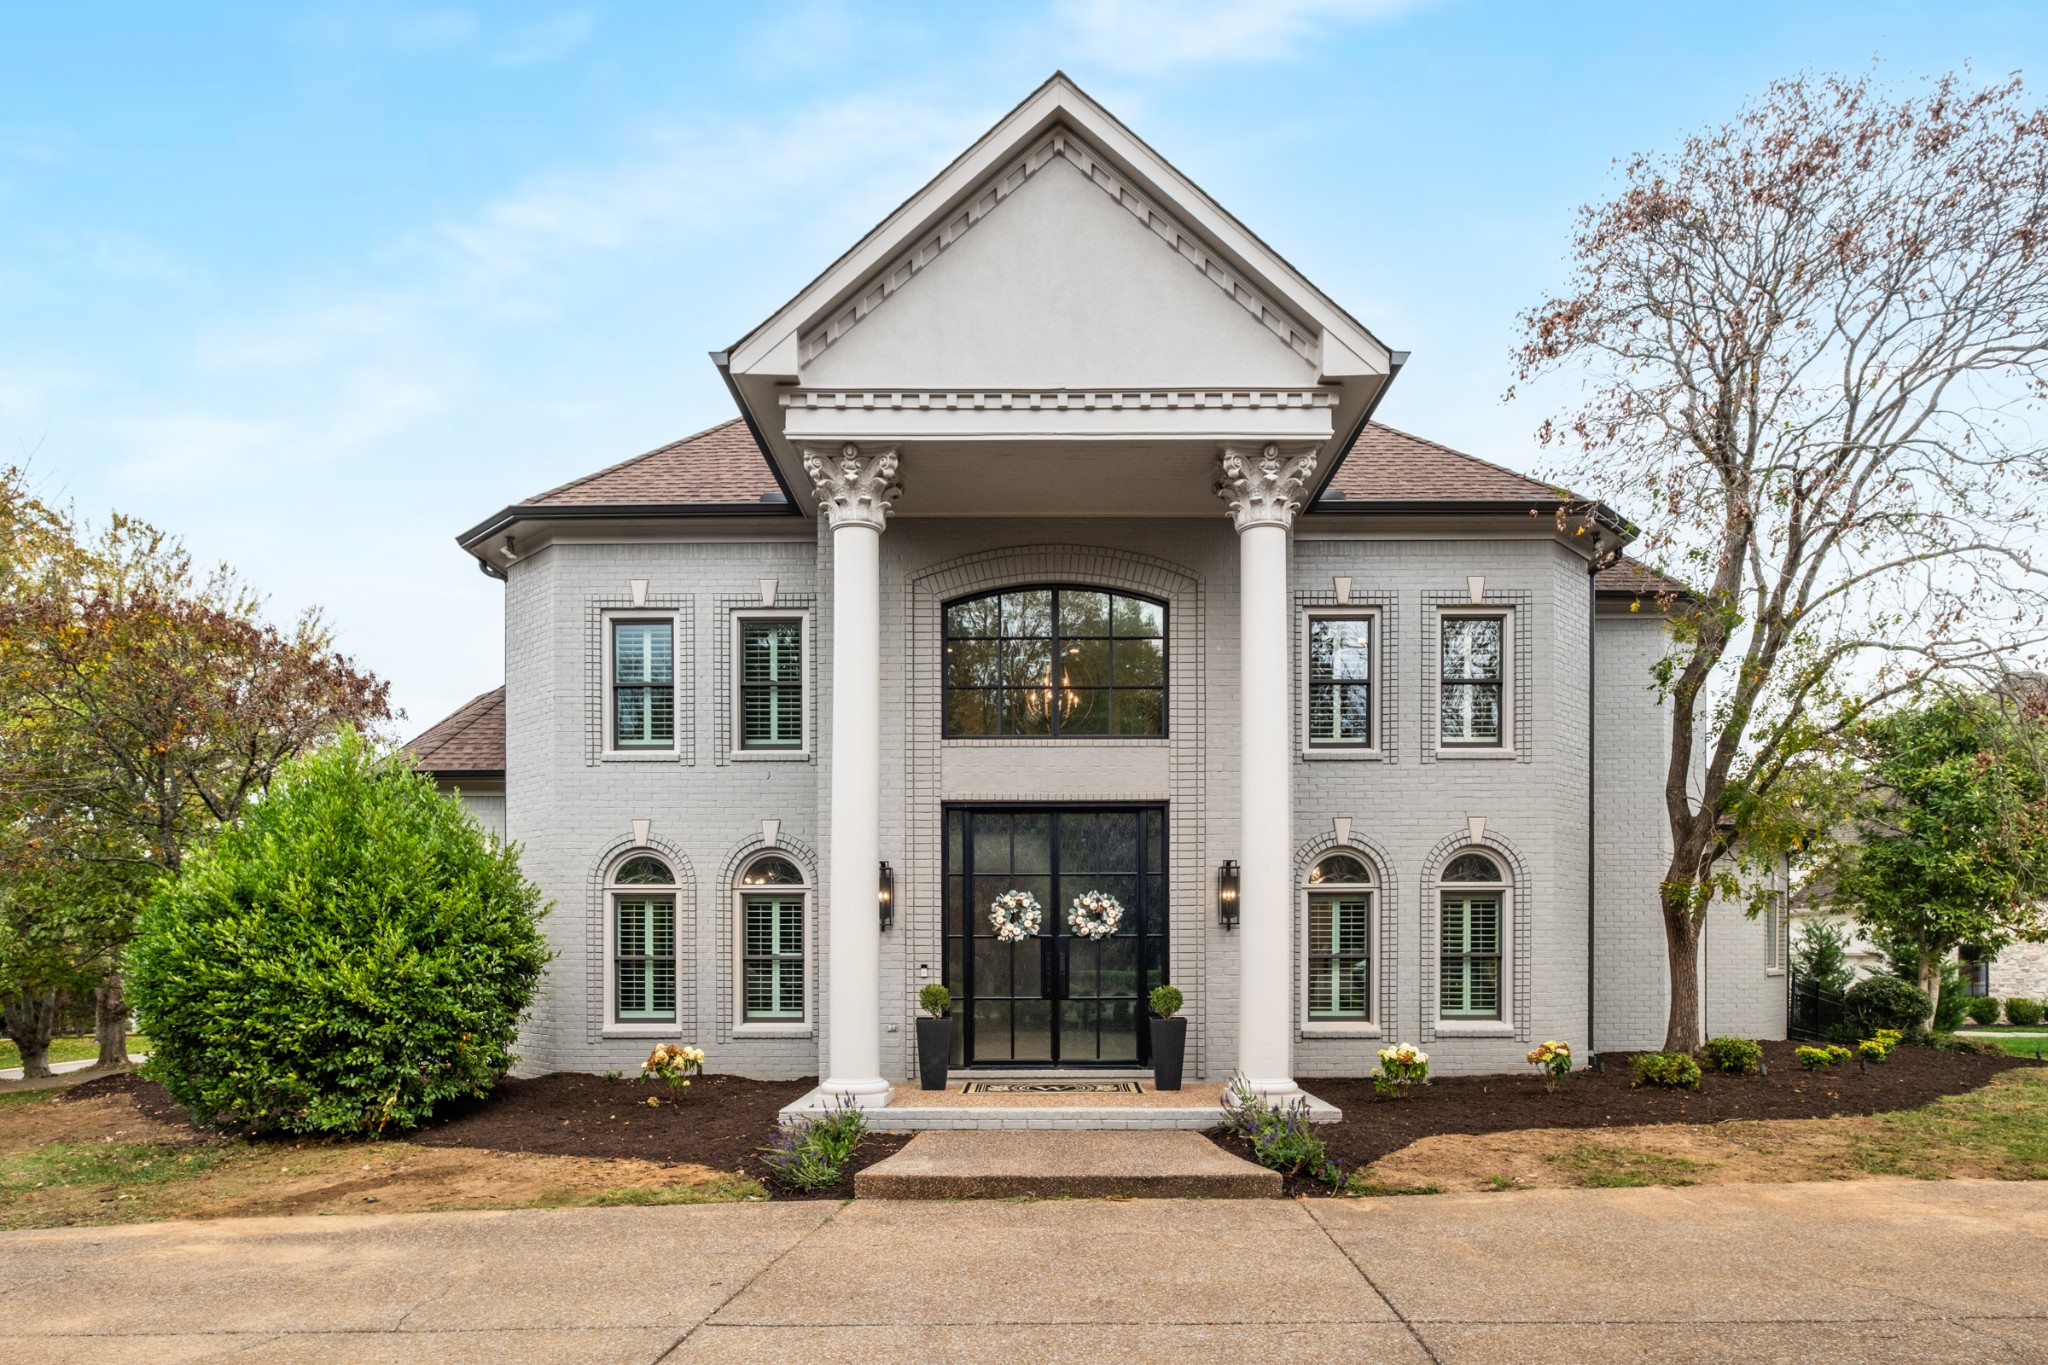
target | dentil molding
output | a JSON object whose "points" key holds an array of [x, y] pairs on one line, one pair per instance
{"points": [[1265, 485], [853, 489], [1058, 400]]}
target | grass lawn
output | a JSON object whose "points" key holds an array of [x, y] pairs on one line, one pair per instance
{"points": [[2023, 1047], [80, 1048]]}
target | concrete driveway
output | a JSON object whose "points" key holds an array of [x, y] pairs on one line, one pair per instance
{"points": [[1854, 1272]]}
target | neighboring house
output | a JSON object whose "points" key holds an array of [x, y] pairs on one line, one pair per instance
{"points": [[952, 607]]}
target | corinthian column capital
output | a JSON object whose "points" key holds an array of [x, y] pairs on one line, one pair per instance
{"points": [[1264, 485], [853, 489]]}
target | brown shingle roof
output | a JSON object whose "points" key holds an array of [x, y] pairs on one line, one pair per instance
{"points": [[718, 467], [471, 741], [1387, 465], [1636, 579]]}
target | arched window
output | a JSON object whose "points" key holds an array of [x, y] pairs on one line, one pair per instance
{"points": [[1055, 662], [1337, 973], [1474, 896], [772, 898], [642, 896]]}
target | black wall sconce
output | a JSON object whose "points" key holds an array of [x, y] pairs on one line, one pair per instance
{"points": [[1226, 895], [886, 896]]}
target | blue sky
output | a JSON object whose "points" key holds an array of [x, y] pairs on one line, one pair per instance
{"points": [[318, 286]]}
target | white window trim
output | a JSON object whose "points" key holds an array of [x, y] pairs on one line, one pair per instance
{"points": [[610, 752], [736, 752], [1777, 930], [615, 1027], [1343, 1028], [1454, 1026], [1376, 680], [742, 1026], [1506, 747]]}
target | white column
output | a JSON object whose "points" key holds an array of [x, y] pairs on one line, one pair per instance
{"points": [[855, 492], [1264, 487]]}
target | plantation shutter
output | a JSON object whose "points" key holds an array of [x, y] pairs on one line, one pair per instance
{"points": [[643, 684], [774, 958], [1470, 969], [771, 685], [644, 959], [1339, 955]]}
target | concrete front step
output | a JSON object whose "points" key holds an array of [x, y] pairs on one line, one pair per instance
{"points": [[1009, 1164]]}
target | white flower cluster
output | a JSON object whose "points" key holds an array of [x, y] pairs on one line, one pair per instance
{"points": [[1094, 915], [1015, 915], [1406, 1054]]}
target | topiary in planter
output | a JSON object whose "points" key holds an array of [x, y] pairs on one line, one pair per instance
{"points": [[2025, 1013], [355, 953], [1885, 1001]]}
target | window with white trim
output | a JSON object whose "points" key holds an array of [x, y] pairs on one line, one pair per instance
{"points": [[773, 942], [1341, 668], [769, 698], [643, 683], [1338, 971], [643, 909], [1774, 932], [1472, 694], [1473, 932]]}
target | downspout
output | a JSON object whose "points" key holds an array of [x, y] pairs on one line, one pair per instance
{"points": [[1599, 561]]}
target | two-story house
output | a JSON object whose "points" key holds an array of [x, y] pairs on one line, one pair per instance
{"points": [[1054, 548]]}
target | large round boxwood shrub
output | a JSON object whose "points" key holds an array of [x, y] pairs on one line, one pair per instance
{"points": [[355, 953], [1886, 1001]]}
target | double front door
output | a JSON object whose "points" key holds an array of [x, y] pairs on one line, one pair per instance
{"points": [[1059, 998]]}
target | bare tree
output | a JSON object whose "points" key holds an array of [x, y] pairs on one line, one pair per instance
{"points": [[1811, 343]]}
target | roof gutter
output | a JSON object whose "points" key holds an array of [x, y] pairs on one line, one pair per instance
{"points": [[723, 360], [1396, 360], [1605, 517]]}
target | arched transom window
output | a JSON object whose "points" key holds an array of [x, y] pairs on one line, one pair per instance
{"points": [[773, 898], [1338, 971], [1055, 662], [643, 911], [1474, 931]]}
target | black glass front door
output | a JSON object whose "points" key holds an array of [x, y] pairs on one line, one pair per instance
{"points": [[1058, 999]]}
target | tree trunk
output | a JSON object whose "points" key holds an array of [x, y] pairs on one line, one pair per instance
{"points": [[30, 1019], [110, 1022], [1682, 951], [1929, 966]]}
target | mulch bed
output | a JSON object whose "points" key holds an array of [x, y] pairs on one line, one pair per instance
{"points": [[1373, 1127], [720, 1121]]}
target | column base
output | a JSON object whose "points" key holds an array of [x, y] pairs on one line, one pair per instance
{"points": [[1279, 1091], [867, 1093]]}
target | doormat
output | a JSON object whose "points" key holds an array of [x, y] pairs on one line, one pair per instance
{"points": [[1052, 1088]]}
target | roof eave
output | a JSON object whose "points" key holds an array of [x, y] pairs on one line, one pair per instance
{"points": [[616, 511]]}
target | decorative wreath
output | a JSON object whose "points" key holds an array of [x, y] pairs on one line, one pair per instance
{"points": [[1014, 915], [1094, 914]]}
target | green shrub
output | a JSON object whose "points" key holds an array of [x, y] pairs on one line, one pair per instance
{"points": [[1813, 1058], [1737, 1056], [1884, 1001], [2025, 1013], [1983, 1010], [807, 1152], [354, 953], [1873, 1049], [1166, 1001], [1283, 1139], [1673, 1070], [935, 1000]]}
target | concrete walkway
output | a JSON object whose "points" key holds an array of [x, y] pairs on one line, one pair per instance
{"points": [[1869, 1271], [14, 1073]]}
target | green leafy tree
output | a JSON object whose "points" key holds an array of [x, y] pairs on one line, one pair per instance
{"points": [[353, 953], [1820, 954], [1948, 843]]}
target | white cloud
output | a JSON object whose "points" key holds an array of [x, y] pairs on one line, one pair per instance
{"points": [[1150, 36]]}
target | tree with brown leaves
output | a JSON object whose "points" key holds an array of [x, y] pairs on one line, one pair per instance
{"points": [[146, 706], [1813, 345]]}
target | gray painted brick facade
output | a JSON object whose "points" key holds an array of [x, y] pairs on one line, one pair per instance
{"points": [[573, 807]]}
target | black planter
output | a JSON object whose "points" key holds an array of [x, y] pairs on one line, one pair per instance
{"points": [[934, 1052], [1169, 1049]]}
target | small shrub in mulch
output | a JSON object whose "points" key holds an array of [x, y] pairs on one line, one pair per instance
{"points": [[1913, 1076]]}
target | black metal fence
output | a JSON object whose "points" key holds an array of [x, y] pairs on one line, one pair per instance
{"points": [[1814, 1013]]}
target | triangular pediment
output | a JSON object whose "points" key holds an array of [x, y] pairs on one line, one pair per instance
{"points": [[1058, 274]]}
